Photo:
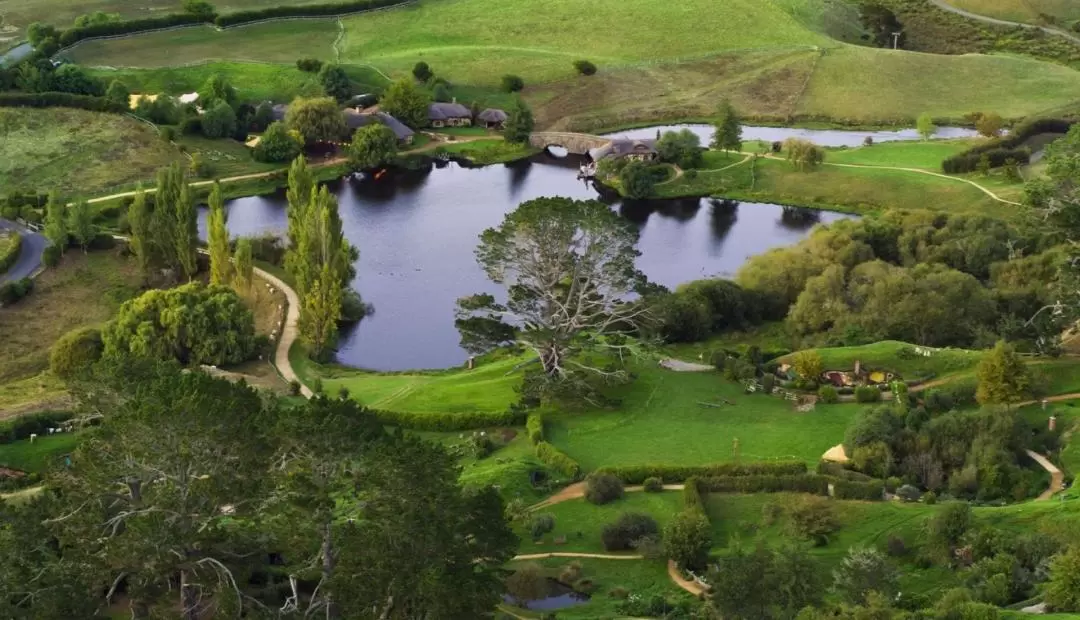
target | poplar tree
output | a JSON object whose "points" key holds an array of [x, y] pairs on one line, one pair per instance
{"points": [[81, 223], [299, 193], [321, 310], [244, 265], [140, 219], [55, 223], [186, 231], [728, 128], [218, 236]]}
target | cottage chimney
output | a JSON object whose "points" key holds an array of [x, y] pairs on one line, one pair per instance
{"points": [[1053, 423]]}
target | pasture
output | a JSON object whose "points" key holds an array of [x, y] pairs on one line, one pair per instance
{"points": [[1027, 11], [77, 152], [35, 457]]}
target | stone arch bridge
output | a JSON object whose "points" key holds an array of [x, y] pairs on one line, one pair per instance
{"points": [[576, 143]]}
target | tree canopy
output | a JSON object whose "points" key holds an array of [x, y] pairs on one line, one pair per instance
{"points": [[372, 147], [317, 120], [407, 102]]}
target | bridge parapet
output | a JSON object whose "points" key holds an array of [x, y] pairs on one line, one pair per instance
{"points": [[576, 143]]}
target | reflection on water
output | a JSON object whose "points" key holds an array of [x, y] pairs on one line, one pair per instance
{"points": [[416, 231], [824, 137]]}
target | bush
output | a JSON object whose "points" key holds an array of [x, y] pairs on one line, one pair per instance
{"points": [[294, 388], [557, 460], [669, 474], [812, 518], [768, 383], [895, 546], [75, 351], [627, 530], [873, 490], [310, 10], [277, 144], [534, 427], [691, 495], [602, 488], [452, 421], [867, 394], [653, 485], [827, 394], [309, 65], [584, 67], [687, 539], [50, 257], [541, 524], [998, 150], [512, 83], [20, 428], [12, 292], [8, 258], [930, 498], [60, 100], [908, 493], [807, 483]]}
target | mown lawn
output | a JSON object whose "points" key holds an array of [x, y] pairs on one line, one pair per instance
{"points": [[488, 387], [225, 157], [492, 151], [660, 420], [45, 451], [642, 578], [581, 522], [77, 152], [898, 357], [926, 155], [85, 289]]}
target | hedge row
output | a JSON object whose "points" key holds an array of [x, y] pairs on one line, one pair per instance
{"points": [[8, 258], [1006, 147], [534, 427], [558, 460], [33, 424], [691, 495], [451, 421], [59, 100], [846, 489], [636, 474], [329, 9], [131, 26], [806, 483]]}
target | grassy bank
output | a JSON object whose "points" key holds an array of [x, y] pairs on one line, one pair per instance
{"points": [[35, 457], [484, 152], [898, 357]]}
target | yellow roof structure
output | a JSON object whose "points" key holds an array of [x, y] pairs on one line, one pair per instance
{"points": [[133, 100]]}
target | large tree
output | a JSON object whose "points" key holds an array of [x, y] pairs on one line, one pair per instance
{"points": [[318, 120], [727, 128], [216, 88], [218, 238], [56, 222], [407, 102], [174, 227], [568, 268], [244, 265], [81, 223], [372, 147], [320, 311], [1004, 378], [519, 123], [335, 82]]}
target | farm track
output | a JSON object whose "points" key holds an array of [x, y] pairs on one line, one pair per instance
{"points": [[945, 6]]}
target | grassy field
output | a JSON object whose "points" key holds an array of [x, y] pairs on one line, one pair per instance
{"points": [[887, 355], [858, 190], [18, 14], [660, 421], [1028, 11], [85, 289], [492, 151], [35, 457], [925, 155], [225, 157], [640, 577], [487, 388], [900, 85], [581, 522], [76, 151]]}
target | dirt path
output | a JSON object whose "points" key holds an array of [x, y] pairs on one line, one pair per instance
{"points": [[941, 4], [690, 586], [681, 366], [577, 491], [1057, 479], [1050, 399], [571, 554], [289, 331]]}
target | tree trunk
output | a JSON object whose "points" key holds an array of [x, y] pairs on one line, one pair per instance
{"points": [[328, 562], [551, 358], [188, 598]]}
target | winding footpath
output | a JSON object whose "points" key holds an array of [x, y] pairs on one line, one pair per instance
{"points": [[945, 6], [1057, 479], [33, 246], [289, 331]]}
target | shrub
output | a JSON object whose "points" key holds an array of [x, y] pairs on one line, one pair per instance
{"points": [[309, 65], [310, 10], [807, 483], [75, 351], [570, 573], [691, 495], [828, 395], [534, 426], [768, 383], [527, 583], [111, 28], [51, 256], [557, 460], [812, 518], [23, 426], [999, 150], [619, 592], [867, 394], [873, 490], [628, 529], [892, 483], [12, 292], [512, 83], [601, 488], [930, 498], [584, 67], [636, 474], [541, 524], [687, 539], [895, 546], [653, 485], [60, 100], [294, 388], [8, 258]]}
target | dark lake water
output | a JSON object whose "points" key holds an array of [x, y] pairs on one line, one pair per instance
{"points": [[416, 232], [823, 137]]}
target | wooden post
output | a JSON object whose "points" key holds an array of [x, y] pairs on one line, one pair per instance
{"points": [[1053, 423]]}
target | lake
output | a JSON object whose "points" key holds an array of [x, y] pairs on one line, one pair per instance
{"points": [[823, 137]]}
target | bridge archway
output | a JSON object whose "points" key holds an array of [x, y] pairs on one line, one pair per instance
{"points": [[574, 143]]}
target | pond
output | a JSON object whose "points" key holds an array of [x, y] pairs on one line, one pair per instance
{"points": [[823, 137], [560, 596], [15, 54], [417, 230]]}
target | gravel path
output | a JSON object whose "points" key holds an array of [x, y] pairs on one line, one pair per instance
{"points": [[1057, 479], [945, 6], [33, 245]]}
